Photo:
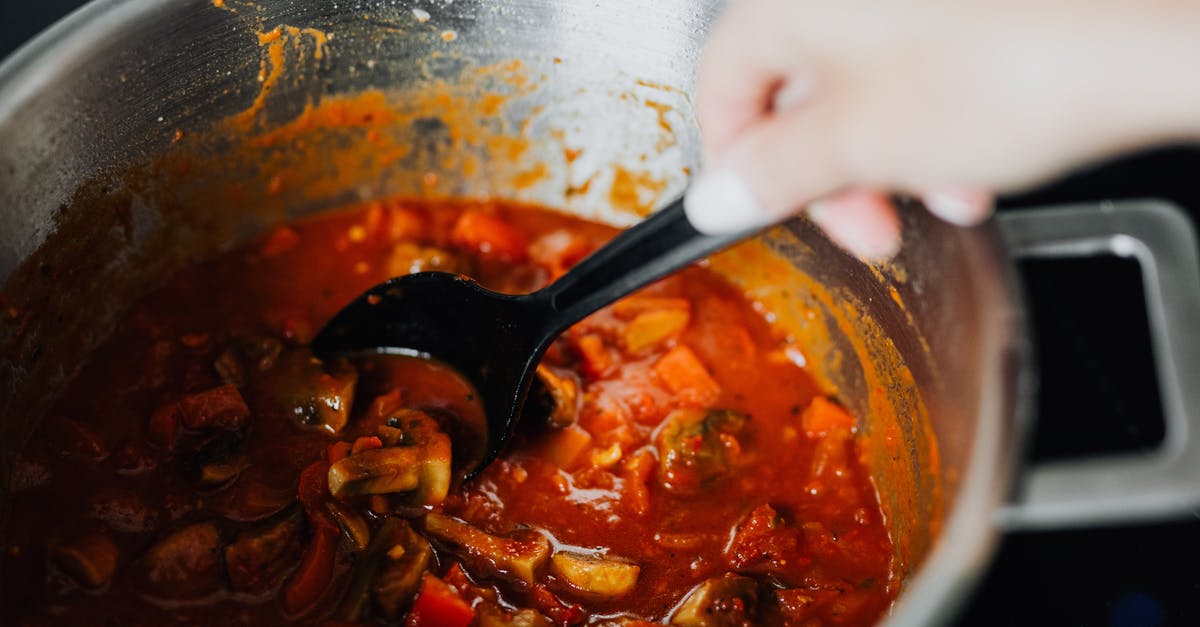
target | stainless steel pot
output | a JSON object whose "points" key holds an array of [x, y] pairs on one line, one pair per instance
{"points": [[95, 206]]}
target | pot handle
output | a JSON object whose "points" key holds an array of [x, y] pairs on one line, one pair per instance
{"points": [[1124, 487]]}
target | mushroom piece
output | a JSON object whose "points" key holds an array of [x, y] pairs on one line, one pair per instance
{"points": [[258, 560], [389, 571], [89, 560], [415, 458], [726, 601], [492, 615], [562, 397], [518, 557], [594, 574], [184, 565], [318, 394], [696, 447]]}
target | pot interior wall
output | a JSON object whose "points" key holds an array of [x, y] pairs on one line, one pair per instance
{"points": [[199, 126]]}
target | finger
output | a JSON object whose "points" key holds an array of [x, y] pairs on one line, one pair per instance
{"points": [[964, 206], [740, 71], [773, 168], [861, 221]]}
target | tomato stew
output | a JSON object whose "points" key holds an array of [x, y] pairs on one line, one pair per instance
{"points": [[206, 468]]}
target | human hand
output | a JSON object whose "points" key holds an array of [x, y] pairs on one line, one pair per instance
{"points": [[831, 103]]}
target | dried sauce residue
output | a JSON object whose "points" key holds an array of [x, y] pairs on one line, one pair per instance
{"points": [[274, 60], [635, 192]]}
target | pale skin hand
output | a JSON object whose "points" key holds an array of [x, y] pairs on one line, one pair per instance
{"points": [[828, 103]]}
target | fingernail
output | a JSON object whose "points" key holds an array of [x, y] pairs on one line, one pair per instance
{"points": [[966, 208], [864, 239], [720, 202]]}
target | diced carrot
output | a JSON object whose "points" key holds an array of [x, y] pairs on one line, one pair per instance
{"points": [[654, 327], [490, 236], [219, 408], [337, 451], [437, 605], [366, 443], [681, 371], [824, 416], [596, 360], [312, 577], [563, 447], [631, 306]]}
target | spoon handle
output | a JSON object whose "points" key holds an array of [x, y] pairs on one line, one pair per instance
{"points": [[653, 248]]}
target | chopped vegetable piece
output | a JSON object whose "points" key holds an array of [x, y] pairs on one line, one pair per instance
{"points": [[596, 360], [563, 389], [314, 574], [184, 565], [684, 375], [696, 447], [410, 258], [652, 328], [353, 525], [89, 560], [727, 601], [337, 450], [366, 443], [600, 576], [437, 605], [824, 416], [407, 559], [764, 542], [389, 570], [258, 559], [416, 458], [563, 448], [218, 408], [489, 236], [316, 395], [519, 557]]}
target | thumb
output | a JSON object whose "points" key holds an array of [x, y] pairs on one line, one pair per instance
{"points": [[767, 174]]}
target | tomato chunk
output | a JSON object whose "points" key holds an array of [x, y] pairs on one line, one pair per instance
{"points": [[437, 605]]}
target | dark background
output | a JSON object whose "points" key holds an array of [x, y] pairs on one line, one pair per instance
{"points": [[1098, 395]]}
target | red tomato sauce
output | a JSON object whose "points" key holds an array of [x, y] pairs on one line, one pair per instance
{"points": [[205, 468]]}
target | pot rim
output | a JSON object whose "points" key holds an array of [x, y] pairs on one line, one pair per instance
{"points": [[943, 581]]}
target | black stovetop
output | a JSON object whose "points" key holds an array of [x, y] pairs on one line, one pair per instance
{"points": [[1098, 395]]}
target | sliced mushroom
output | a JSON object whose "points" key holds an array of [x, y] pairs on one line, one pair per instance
{"points": [[389, 570], [518, 557], [593, 574], [415, 458], [318, 395], [696, 447], [89, 560], [259, 559], [405, 561], [561, 395], [353, 526], [184, 565], [492, 615], [726, 601]]}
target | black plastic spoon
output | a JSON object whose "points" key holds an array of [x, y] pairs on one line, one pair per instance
{"points": [[496, 340]]}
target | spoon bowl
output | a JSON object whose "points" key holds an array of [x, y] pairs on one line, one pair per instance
{"points": [[497, 340]]}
